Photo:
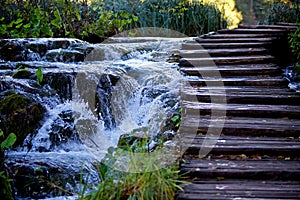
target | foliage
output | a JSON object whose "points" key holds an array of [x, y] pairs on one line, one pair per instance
{"points": [[270, 11], [294, 41], [161, 183], [39, 75], [5, 187], [57, 18], [228, 9], [68, 18], [185, 16], [283, 11]]}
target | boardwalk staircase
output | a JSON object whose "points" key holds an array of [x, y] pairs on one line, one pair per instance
{"points": [[257, 150]]}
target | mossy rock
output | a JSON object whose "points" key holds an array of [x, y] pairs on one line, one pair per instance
{"points": [[20, 115], [22, 74]]}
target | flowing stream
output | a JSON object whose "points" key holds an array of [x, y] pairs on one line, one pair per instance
{"points": [[92, 95]]}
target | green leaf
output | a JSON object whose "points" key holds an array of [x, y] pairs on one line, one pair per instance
{"points": [[175, 118], [9, 141], [1, 133], [39, 75]]}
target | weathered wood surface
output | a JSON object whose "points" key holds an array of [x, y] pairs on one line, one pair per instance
{"points": [[257, 155], [237, 189]]}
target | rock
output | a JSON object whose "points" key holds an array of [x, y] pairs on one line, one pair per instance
{"points": [[64, 55], [103, 99], [63, 130], [35, 178], [61, 82], [12, 50], [134, 139], [174, 58], [22, 74], [20, 115]]}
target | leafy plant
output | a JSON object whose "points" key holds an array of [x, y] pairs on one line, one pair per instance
{"points": [[6, 189], [39, 75], [9, 141], [294, 41]]}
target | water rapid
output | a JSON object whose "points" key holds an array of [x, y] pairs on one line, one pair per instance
{"points": [[121, 86]]}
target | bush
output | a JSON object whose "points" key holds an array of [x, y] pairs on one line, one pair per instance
{"points": [[283, 11], [189, 17], [69, 18], [58, 18]]}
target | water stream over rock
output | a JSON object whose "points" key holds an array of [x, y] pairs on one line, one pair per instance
{"points": [[90, 96]]}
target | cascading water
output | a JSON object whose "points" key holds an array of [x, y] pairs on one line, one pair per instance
{"points": [[121, 86]]}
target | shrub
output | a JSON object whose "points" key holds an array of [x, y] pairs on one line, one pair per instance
{"points": [[283, 11], [58, 18], [185, 16]]}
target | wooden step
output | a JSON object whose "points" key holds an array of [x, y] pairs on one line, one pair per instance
{"points": [[200, 46], [233, 60], [243, 110], [267, 169], [240, 190], [266, 40], [252, 31], [284, 27], [241, 35], [242, 95], [236, 70], [222, 52], [240, 81], [243, 126], [246, 146]]}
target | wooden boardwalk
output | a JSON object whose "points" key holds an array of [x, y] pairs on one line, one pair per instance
{"points": [[257, 155]]}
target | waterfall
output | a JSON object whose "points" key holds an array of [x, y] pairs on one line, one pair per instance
{"points": [[120, 86]]}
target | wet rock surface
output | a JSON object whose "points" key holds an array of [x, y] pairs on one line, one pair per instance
{"points": [[47, 49], [20, 115]]}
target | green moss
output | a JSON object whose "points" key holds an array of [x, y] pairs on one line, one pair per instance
{"points": [[12, 103], [20, 115], [22, 74]]}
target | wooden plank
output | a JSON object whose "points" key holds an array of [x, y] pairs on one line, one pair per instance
{"points": [[232, 60], [240, 189], [241, 95], [240, 81], [234, 145], [278, 26], [254, 169], [222, 52], [231, 35], [252, 31], [245, 110], [239, 70], [234, 40], [239, 126], [198, 46]]}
